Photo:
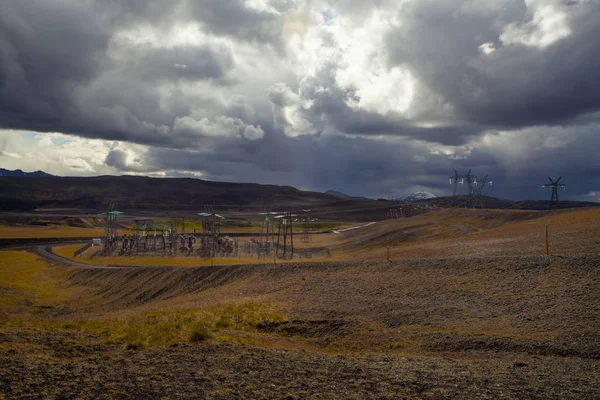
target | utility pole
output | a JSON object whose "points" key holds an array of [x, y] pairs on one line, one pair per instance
{"points": [[555, 185]]}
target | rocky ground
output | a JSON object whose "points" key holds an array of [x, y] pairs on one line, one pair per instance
{"points": [[67, 365]]}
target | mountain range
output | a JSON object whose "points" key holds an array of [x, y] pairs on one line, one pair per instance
{"points": [[20, 173], [29, 191], [138, 192]]}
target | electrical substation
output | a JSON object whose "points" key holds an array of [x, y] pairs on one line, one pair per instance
{"points": [[278, 229]]}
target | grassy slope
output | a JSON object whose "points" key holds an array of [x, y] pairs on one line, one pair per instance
{"points": [[452, 233], [29, 285], [534, 304]]}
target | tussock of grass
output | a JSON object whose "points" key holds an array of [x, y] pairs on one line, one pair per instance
{"points": [[520, 364], [200, 334]]}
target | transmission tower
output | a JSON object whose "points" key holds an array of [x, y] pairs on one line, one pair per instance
{"points": [[211, 229], [306, 227], [285, 238], [267, 231], [111, 235], [454, 182], [395, 213], [470, 180], [555, 185], [478, 191]]}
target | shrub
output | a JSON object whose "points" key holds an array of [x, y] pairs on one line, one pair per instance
{"points": [[200, 334], [223, 323], [520, 364], [134, 345]]}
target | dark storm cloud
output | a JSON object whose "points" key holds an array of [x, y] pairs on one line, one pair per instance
{"points": [[45, 50], [233, 18], [357, 166], [514, 86], [62, 71], [57, 73], [189, 62], [334, 103], [116, 158]]}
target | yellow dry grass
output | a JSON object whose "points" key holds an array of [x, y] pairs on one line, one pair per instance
{"points": [[28, 282], [166, 327], [29, 285], [23, 232], [67, 250]]}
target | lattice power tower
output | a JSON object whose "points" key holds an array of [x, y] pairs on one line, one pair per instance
{"points": [[475, 189], [555, 185], [111, 235], [285, 238], [306, 227]]}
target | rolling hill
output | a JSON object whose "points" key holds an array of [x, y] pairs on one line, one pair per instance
{"points": [[24, 193], [133, 192], [20, 173]]}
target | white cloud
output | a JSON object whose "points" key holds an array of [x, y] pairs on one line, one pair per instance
{"points": [[487, 48], [60, 154], [548, 25], [253, 132], [359, 55], [221, 126], [288, 111]]}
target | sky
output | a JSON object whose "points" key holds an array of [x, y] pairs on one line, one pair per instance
{"points": [[374, 98]]}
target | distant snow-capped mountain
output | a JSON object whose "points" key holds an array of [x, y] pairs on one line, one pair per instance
{"points": [[417, 196]]}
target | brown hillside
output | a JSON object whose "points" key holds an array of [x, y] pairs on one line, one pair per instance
{"points": [[452, 233]]}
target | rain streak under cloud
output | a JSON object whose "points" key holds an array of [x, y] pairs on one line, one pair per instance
{"points": [[368, 98]]}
